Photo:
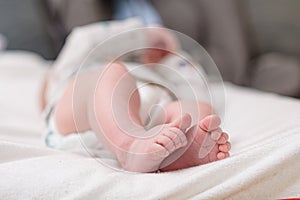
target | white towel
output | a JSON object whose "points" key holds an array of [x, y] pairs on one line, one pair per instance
{"points": [[264, 164]]}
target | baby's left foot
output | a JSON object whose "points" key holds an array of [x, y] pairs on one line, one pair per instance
{"points": [[207, 144]]}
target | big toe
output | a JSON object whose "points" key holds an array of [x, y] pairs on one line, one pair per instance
{"points": [[210, 123], [182, 122]]}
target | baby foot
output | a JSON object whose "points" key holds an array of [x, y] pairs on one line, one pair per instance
{"points": [[146, 155], [207, 144]]}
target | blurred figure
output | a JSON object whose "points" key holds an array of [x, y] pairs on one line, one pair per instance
{"points": [[158, 38], [69, 14], [137, 8], [237, 34]]}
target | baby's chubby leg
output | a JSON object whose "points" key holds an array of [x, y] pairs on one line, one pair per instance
{"points": [[70, 113], [114, 117]]}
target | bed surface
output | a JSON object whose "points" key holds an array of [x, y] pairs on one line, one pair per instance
{"points": [[264, 164]]}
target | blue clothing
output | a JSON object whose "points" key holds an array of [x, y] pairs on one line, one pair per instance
{"points": [[137, 8]]}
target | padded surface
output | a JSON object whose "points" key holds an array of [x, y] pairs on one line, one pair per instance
{"points": [[264, 163]]}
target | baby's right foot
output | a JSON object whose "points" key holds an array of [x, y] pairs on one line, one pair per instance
{"points": [[147, 154]]}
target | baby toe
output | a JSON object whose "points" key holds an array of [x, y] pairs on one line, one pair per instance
{"points": [[179, 135], [159, 151], [221, 155], [166, 142], [173, 135], [210, 122], [225, 135], [216, 134], [224, 147], [222, 140]]}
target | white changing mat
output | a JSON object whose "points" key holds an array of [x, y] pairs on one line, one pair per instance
{"points": [[264, 163]]}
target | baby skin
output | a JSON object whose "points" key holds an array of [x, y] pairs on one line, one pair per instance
{"points": [[187, 133]]}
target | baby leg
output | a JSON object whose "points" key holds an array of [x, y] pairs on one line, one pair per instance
{"points": [[70, 113], [114, 117]]}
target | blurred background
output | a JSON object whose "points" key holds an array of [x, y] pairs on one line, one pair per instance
{"points": [[254, 43]]}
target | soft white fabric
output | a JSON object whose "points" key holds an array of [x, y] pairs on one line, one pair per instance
{"points": [[264, 163]]}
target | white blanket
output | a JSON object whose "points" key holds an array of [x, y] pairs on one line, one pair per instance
{"points": [[264, 163]]}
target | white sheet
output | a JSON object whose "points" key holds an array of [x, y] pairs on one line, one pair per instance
{"points": [[264, 162]]}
